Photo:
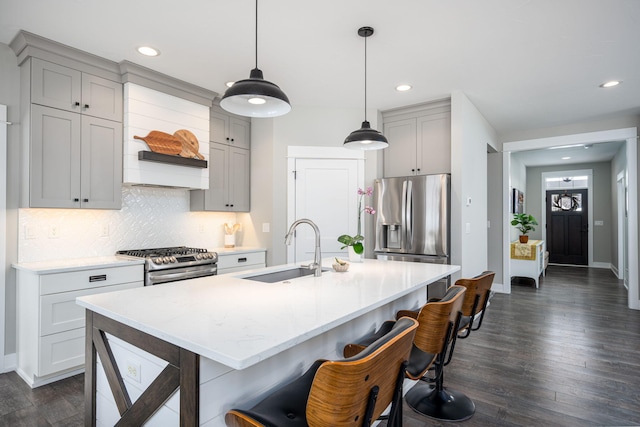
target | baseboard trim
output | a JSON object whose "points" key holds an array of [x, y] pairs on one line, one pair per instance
{"points": [[10, 363], [37, 382], [606, 265], [499, 287]]}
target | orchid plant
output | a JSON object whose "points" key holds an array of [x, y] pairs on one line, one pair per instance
{"points": [[356, 241]]}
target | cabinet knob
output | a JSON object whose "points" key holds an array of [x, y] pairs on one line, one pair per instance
{"points": [[227, 138], [77, 104], [76, 200], [418, 169], [231, 205], [86, 105], [85, 200], [232, 139], [227, 205], [413, 170]]}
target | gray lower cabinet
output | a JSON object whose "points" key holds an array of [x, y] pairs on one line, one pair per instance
{"points": [[75, 160], [419, 140], [229, 181]]}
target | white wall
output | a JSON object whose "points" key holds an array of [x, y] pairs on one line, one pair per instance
{"points": [[470, 135], [10, 96], [518, 180], [303, 126]]}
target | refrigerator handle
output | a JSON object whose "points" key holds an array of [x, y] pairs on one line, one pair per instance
{"points": [[408, 214]]}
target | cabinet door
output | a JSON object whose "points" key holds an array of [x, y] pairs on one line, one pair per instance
{"points": [[101, 98], [218, 127], [240, 133], [400, 156], [215, 197], [434, 144], [101, 168], [239, 180], [55, 86], [54, 173]]}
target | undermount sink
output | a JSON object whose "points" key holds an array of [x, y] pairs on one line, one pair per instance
{"points": [[279, 276]]}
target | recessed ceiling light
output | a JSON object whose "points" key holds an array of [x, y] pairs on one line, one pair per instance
{"points": [[229, 84], [611, 83], [148, 51], [566, 158], [403, 88]]}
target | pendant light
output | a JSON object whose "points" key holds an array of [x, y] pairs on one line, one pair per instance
{"points": [[365, 138], [255, 96]]}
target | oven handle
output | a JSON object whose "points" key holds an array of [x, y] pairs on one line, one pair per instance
{"points": [[157, 277]]}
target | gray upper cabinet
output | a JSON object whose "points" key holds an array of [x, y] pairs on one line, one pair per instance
{"points": [[225, 128], [419, 140], [229, 186], [229, 165], [67, 89], [75, 160], [74, 133]]}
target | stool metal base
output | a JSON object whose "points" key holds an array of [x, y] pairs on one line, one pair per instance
{"points": [[445, 405]]}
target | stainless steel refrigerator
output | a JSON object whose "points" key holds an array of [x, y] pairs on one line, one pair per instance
{"points": [[412, 220]]}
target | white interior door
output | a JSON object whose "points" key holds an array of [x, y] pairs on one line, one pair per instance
{"points": [[325, 193]]}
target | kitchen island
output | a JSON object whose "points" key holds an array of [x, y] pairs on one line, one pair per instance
{"points": [[226, 341]]}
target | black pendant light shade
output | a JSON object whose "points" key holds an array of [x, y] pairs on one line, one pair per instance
{"points": [[255, 96], [365, 138]]}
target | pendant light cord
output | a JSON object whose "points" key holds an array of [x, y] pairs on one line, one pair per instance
{"points": [[256, 33], [365, 78]]}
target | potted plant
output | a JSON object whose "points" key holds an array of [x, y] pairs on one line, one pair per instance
{"points": [[524, 223], [354, 243]]}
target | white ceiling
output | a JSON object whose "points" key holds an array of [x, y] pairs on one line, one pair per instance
{"points": [[576, 154], [525, 64]]}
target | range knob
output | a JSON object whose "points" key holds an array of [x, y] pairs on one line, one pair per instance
{"points": [[199, 256], [173, 259], [166, 260], [158, 260]]}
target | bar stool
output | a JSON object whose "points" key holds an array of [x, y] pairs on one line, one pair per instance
{"points": [[432, 347], [475, 302], [350, 392]]}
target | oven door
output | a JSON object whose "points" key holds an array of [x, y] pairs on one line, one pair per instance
{"points": [[156, 277]]}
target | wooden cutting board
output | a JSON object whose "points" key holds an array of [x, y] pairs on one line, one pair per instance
{"points": [[161, 142], [190, 144]]}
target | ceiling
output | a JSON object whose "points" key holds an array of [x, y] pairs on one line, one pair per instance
{"points": [[525, 64], [569, 155]]}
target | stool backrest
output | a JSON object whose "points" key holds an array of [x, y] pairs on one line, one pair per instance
{"points": [[478, 290], [340, 392], [435, 318]]}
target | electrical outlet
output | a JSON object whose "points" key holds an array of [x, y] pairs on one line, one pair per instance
{"points": [[265, 227], [54, 232], [29, 232], [133, 370], [105, 231], [201, 228]]}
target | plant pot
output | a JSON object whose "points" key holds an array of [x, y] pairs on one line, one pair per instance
{"points": [[524, 239], [353, 256]]}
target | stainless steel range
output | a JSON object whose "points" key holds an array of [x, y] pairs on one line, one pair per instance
{"points": [[164, 265]]}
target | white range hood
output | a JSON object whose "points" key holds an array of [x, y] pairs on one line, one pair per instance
{"points": [[146, 110]]}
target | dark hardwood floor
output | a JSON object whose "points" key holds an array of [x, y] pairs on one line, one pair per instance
{"points": [[565, 354]]}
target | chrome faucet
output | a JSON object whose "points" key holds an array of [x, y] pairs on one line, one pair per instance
{"points": [[317, 257]]}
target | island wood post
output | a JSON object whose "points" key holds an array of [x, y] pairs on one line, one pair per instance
{"points": [[183, 372]]}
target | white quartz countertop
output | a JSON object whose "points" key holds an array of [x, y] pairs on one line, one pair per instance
{"points": [[236, 250], [239, 322], [74, 264]]}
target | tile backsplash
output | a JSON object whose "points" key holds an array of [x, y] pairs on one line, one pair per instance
{"points": [[150, 217]]}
